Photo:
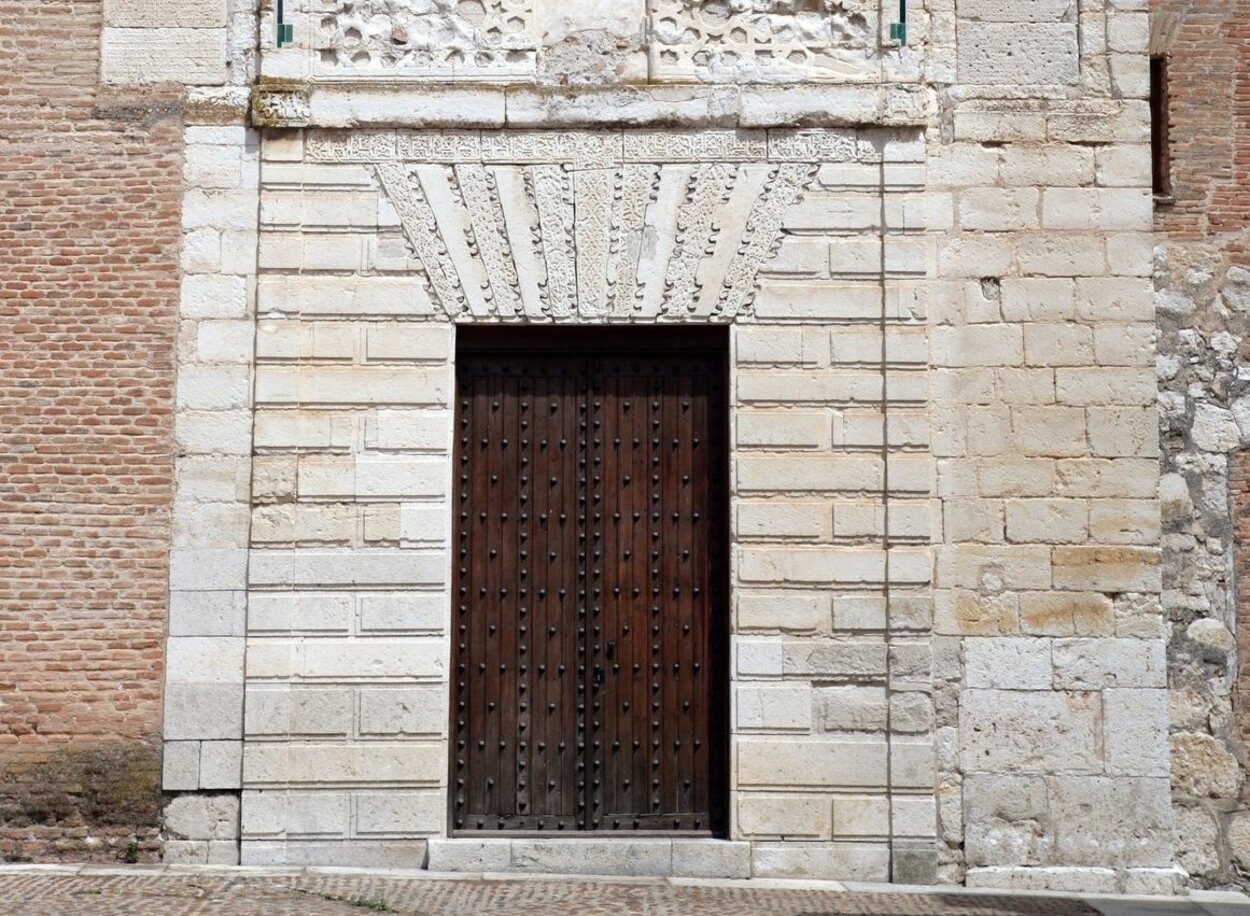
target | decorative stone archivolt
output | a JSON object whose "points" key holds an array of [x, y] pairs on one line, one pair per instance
{"points": [[552, 226]]}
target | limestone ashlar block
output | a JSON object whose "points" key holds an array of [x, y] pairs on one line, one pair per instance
{"points": [[330, 209], [1066, 614], [409, 430], [409, 611], [829, 861], [204, 711], [299, 612], [356, 385], [766, 816], [784, 611], [1093, 664], [306, 340], [848, 658], [1049, 166], [402, 711], [1135, 727], [784, 429], [214, 432], [1125, 521], [346, 568], [207, 613], [331, 297], [817, 473], [593, 857], [771, 520], [1008, 664], [773, 708], [851, 707], [699, 858], [371, 477], [192, 56], [816, 762], [224, 341], [279, 813], [221, 765], [1015, 567], [180, 770], [400, 813], [1008, 820], [1107, 568], [285, 709], [404, 342], [847, 386], [1012, 731], [779, 345], [1101, 122], [139, 14], [1125, 822], [779, 300], [365, 658], [1098, 209], [334, 851], [810, 565], [409, 764], [997, 53], [1115, 299]]}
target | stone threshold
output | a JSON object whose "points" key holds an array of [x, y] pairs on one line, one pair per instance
{"points": [[380, 104], [657, 857]]}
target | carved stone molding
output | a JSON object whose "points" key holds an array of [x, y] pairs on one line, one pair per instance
{"points": [[592, 226]]}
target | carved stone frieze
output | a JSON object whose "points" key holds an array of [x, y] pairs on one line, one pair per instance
{"points": [[436, 39], [571, 226], [723, 41], [763, 40]]}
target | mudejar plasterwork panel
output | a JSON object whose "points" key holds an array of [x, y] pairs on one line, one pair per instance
{"points": [[575, 226]]}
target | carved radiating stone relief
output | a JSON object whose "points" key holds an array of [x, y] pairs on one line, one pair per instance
{"points": [[687, 40], [446, 39], [568, 226]]}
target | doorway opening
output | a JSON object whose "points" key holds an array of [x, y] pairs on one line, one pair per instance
{"points": [[590, 646]]}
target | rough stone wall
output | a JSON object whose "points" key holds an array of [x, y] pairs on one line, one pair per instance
{"points": [[90, 189], [1202, 297]]}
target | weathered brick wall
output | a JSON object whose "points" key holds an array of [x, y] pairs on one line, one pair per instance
{"points": [[1208, 45], [1202, 296], [90, 188]]}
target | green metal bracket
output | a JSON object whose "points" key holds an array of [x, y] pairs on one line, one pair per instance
{"points": [[286, 31], [898, 30]]}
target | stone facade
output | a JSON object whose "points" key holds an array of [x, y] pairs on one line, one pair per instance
{"points": [[950, 633]]}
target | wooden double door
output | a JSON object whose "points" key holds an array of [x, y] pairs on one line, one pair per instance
{"points": [[591, 620]]}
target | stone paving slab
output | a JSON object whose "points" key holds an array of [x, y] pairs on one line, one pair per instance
{"points": [[313, 892]]}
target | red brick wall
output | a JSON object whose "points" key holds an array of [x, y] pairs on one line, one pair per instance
{"points": [[90, 195], [1209, 79]]}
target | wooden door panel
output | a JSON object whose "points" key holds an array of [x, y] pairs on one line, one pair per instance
{"points": [[591, 652], [518, 649]]}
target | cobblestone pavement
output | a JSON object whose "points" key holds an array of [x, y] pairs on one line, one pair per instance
{"points": [[120, 892]]}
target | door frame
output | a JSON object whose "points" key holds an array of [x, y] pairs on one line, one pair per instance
{"points": [[616, 340]]}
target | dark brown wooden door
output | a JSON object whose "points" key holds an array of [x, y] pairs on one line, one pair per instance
{"points": [[591, 624]]}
